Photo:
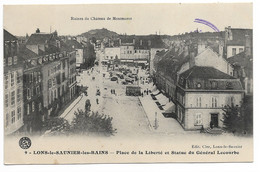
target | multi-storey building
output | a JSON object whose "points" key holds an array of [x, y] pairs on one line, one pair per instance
{"points": [[71, 65], [32, 91], [72, 82], [112, 53], [51, 83], [13, 85], [243, 69], [127, 51], [201, 94], [153, 53], [237, 41], [54, 68], [73, 44], [170, 64]]}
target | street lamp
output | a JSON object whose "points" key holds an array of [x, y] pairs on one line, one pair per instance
{"points": [[156, 125]]}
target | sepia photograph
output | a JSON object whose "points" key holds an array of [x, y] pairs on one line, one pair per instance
{"points": [[128, 83]]}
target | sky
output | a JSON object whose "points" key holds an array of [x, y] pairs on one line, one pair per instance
{"points": [[147, 19]]}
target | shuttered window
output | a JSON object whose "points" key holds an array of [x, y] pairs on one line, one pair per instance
{"points": [[198, 119]]}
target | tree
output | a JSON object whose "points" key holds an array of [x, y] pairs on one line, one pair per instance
{"points": [[85, 123], [237, 119], [247, 113], [233, 119], [93, 40], [57, 126]]}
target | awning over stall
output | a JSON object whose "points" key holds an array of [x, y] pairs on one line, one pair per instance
{"points": [[169, 107], [155, 92], [163, 100]]}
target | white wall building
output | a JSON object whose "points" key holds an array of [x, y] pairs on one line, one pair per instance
{"points": [[112, 53], [208, 58], [79, 57], [127, 52], [233, 50], [202, 92]]}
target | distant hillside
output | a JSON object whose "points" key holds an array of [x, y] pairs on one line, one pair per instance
{"points": [[100, 34]]}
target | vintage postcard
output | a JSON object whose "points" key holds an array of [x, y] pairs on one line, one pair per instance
{"points": [[128, 83]]}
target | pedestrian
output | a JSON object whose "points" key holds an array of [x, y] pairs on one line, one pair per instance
{"points": [[97, 100]]}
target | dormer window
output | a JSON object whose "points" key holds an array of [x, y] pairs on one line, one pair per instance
{"points": [[198, 85], [214, 84], [229, 85], [182, 81], [10, 61], [40, 60], [15, 60]]}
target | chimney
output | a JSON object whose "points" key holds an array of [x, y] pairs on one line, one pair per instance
{"points": [[226, 34], [220, 48], [37, 30], [192, 59], [230, 36], [134, 41]]}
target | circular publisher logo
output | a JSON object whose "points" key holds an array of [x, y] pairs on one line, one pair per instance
{"points": [[25, 142]]}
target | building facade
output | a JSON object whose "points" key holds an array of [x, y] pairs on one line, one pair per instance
{"points": [[54, 83], [13, 85], [127, 51], [202, 93], [238, 40], [243, 69], [112, 53], [72, 82], [57, 59], [153, 52], [32, 91]]}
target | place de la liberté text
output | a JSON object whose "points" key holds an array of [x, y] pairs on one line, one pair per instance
{"points": [[215, 152]]}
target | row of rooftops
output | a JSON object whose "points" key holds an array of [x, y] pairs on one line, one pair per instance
{"points": [[139, 42], [42, 60], [169, 62], [208, 78], [9, 37], [232, 36], [54, 47], [215, 40]]}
